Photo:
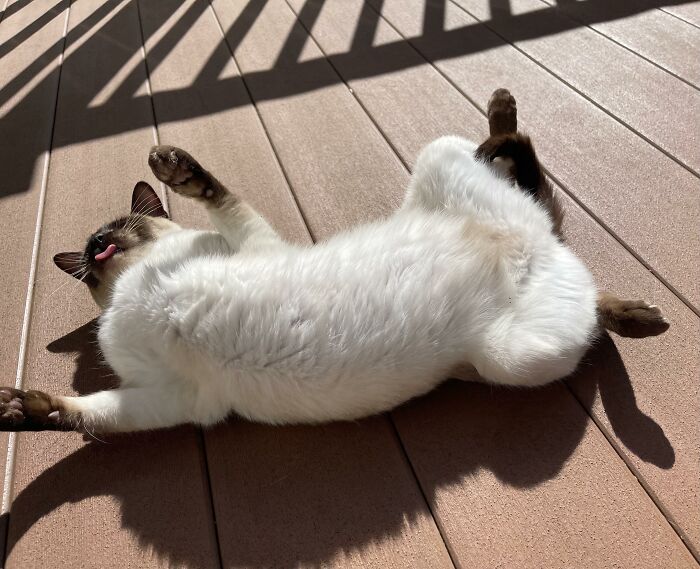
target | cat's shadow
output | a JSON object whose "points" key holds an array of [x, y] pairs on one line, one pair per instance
{"points": [[285, 496]]}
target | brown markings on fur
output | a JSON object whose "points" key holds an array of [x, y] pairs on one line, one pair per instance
{"points": [[502, 112], [32, 411], [184, 175], [506, 142], [630, 318]]}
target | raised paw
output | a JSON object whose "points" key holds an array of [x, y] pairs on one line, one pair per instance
{"points": [[502, 112], [29, 411], [631, 318], [176, 168]]}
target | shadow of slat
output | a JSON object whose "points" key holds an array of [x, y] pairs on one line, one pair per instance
{"points": [[445, 44]]}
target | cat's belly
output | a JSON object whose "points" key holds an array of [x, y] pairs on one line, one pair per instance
{"points": [[339, 331]]}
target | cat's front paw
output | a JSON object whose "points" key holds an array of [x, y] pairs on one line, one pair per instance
{"points": [[176, 168], [28, 411]]}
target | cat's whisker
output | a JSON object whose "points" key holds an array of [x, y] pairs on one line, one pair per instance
{"points": [[79, 279], [89, 432]]}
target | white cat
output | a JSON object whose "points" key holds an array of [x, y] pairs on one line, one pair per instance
{"points": [[199, 325]]}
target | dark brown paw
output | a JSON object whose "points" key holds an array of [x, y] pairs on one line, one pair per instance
{"points": [[502, 112], [631, 318], [176, 168], [28, 411]]}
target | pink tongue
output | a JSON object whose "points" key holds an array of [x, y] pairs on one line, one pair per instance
{"points": [[107, 253]]}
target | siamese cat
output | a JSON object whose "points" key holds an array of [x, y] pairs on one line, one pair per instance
{"points": [[472, 270]]}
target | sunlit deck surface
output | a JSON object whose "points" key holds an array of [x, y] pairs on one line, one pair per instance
{"points": [[315, 111]]}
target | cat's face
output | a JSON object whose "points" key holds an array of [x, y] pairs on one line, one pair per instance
{"points": [[117, 245]]}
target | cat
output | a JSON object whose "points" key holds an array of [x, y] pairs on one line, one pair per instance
{"points": [[471, 271]]}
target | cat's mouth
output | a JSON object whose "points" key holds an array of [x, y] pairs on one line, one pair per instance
{"points": [[108, 253]]}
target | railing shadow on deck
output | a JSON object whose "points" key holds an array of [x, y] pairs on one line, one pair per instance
{"points": [[524, 437], [111, 21]]}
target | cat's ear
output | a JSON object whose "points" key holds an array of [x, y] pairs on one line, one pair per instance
{"points": [[145, 201], [72, 263]]}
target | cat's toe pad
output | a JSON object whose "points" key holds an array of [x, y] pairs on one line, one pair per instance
{"points": [[502, 112], [638, 319], [27, 411], [176, 168]]}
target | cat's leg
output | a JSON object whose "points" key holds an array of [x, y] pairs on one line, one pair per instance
{"points": [[502, 112], [116, 410], [436, 182], [630, 318], [513, 154], [236, 220]]}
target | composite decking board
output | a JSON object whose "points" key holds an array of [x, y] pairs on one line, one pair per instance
{"points": [[645, 393], [689, 12], [627, 419], [136, 501], [21, 185], [653, 34], [660, 108], [527, 481], [336, 495], [334, 30], [627, 169], [340, 495], [331, 28], [335, 159], [662, 384]]}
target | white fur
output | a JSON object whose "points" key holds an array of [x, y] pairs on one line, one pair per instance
{"points": [[466, 272]]}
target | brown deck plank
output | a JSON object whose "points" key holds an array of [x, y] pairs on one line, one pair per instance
{"points": [[653, 34], [689, 12], [659, 107], [627, 169], [647, 390], [27, 152], [340, 495], [609, 504], [399, 95], [315, 133], [136, 501], [528, 481]]}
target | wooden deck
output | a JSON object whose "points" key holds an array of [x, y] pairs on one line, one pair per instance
{"points": [[315, 112]]}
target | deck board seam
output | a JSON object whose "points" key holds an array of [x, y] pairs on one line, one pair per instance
{"points": [[149, 92], [652, 495], [438, 524], [201, 446], [254, 104], [436, 520], [682, 19], [561, 185], [580, 93], [31, 281], [603, 430], [314, 239], [623, 46]]}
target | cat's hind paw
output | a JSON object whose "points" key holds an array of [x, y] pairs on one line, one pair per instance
{"points": [[631, 318], [502, 112], [29, 411]]}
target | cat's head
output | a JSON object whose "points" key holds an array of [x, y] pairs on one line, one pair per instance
{"points": [[117, 245]]}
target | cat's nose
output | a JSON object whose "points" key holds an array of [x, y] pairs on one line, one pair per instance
{"points": [[97, 243]]}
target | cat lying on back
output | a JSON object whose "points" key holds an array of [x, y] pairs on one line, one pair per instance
{"points": [[470, 271]]}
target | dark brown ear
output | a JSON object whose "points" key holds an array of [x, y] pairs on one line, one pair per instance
{"points": [[145, 201], [71, 263]]}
